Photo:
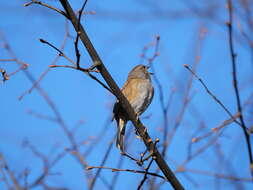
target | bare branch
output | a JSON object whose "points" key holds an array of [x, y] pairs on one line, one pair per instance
{"points": [[127, 170], [216, 129], [93, 181], [10, 173], [145, 175], [122, 99], [77, 34], [46, 5], [211, 94], [235, 83]]}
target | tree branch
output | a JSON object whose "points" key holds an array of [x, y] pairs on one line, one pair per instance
{"points": [[117, 92], [235, 83]]}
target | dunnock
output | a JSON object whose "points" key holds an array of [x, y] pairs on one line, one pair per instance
{"points": [[139, 92]]}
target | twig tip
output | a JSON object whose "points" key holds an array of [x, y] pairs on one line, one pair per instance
{"points": [[27, 4], [228, 23], [215, 129], [42, 41], [89, 167]]}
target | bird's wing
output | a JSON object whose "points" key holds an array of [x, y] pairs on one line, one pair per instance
{"points": [[152, 94], [130, 89], [116, 109]]}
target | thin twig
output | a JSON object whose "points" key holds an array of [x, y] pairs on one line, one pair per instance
{"points": [[141, 129], [98, 138], [92, 184], [42, 76], [215, 129], [164, 107], [53, 107], [10, 173], [145, 175], [86, 71], [211, 94], [78, 55], [41, 116], [120, 162], [235, 83], [46, 5], [61, 53], [127, 170], [217, 175], [8, 60], [116, 175]]}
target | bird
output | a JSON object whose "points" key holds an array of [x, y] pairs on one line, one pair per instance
{"points": [[139, 91]]}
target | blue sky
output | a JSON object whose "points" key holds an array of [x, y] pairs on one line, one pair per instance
{"points": [[119, 30]]}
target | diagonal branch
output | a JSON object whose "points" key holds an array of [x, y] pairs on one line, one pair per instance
{"points": [[211, 94], [93, 181], [117, 92]]}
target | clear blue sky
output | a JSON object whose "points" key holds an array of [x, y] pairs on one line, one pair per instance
{"points": [[119, 30]]}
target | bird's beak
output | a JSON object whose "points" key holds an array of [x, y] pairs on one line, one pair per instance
{"points": [[148, 67]]}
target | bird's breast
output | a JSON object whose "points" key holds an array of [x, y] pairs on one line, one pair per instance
{"points": [[139, 93]]}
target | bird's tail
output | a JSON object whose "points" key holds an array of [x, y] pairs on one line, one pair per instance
{"points": [[120, 134]]}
